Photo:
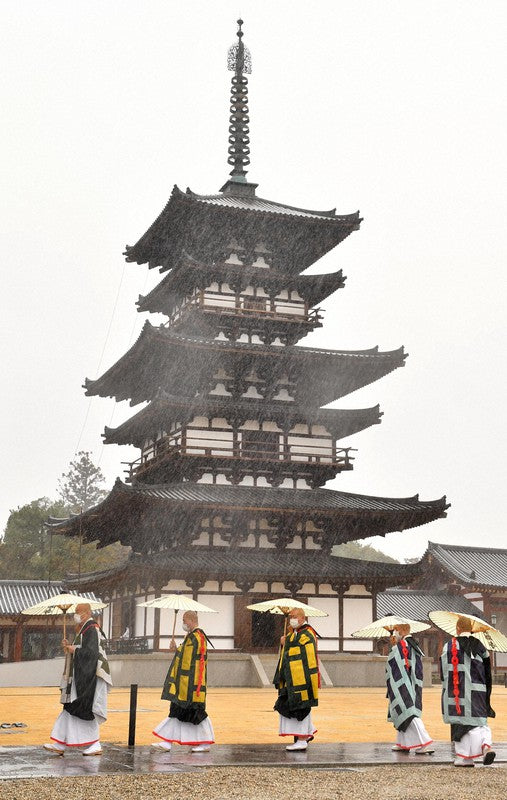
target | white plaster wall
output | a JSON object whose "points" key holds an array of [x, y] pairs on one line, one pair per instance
{"points": [[139, 621], [356, 614], [289, 308], [106, 616], [221, 624], [282, 394], [233, 259], [230, 586], [358, 645], [206, 478], [326, 626], [268, 425], [150, 619], [220, 390], [249, 541], [175, 586], [260, 587], [356, 588]]}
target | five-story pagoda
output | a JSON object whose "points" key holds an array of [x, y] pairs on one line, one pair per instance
{"points": [[226, 497]]}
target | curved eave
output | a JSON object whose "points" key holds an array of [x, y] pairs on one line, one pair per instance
{"points": [[165, 238], [271, 565], [165, 409], [128, 510], [182, 280], [161, 358]]}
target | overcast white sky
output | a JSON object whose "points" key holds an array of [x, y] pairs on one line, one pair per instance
{"points": [[395, 108]]}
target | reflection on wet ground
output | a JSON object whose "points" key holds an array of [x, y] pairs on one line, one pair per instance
{"points": [[30, 762]]}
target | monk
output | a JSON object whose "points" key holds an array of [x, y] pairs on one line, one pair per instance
{"points": [[185, 687], [466, 693], [297, 680], [404, 679], [85, 685]]}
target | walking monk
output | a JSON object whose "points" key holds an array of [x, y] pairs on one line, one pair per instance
{"points": [[404, 678], [466, 692], [297, 680], [185, 686], [86, 683]]}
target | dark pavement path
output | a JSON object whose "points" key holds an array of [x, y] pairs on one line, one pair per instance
{"points": [[33, 762]]}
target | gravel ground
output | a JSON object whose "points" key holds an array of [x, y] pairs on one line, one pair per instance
{"points": [[375, 783]]}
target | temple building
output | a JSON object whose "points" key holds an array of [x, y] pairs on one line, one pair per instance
{"points": [[226, 500]]}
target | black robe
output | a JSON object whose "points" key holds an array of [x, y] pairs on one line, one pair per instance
{"points": [[84, 672]]}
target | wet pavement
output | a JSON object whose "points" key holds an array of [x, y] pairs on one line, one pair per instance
{"points": [[33, 762]]}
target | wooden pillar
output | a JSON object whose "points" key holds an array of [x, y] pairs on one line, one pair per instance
{"points": [[18, 642], [340, 620], [156, 621]]}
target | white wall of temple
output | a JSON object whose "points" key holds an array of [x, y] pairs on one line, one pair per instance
{"points": [[357, 612], [106, 621], [327, 627]]}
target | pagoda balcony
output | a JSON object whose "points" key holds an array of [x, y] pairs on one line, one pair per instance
{"points": [[191, 458], [231, 310]]}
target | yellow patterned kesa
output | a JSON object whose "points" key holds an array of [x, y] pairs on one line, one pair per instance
{"points": [[297, 675], [185, 683]]}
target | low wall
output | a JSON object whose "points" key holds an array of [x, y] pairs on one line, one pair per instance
{"points": [[365, 670], [46, 672], [224, 669]]}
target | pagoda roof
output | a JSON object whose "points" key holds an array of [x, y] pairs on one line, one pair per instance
{"points": [[186, 276], [162, 358], [131, 513], [417, 603], [245, 565], [189, 221], [472, 566], [343, 422]]}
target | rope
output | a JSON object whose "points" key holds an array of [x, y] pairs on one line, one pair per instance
{"points": [[455, 674], [102, 354]]}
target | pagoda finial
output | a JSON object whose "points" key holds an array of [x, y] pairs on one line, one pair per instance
{"points": [[239, 61]]}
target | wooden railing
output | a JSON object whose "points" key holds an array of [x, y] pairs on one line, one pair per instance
{"points": [[229, 306], [214, 448]]}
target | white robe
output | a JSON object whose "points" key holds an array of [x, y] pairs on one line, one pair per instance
{"points": [[290, 726], [414, 737], [172, 730], [473, 743], [74, 732]]}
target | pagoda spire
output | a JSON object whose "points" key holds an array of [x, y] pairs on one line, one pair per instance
{"points": [[239, 62]]}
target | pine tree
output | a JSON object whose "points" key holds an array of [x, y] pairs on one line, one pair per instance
{"points": [[80, 487]]}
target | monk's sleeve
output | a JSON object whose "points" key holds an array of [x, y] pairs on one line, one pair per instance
{"points": [[85, 660], [489, 684]]}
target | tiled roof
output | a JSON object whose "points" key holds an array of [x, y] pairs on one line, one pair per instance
{"points": [[161, 410], [141, 513], [238, 564], [477, 566], [161, 358], [417, 603], [187, 220], [254, 203], [276, 498], [17, 595], [185, 276]]}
